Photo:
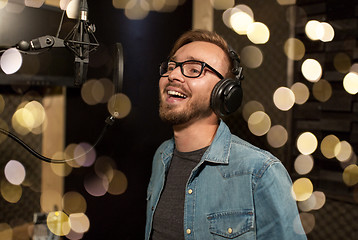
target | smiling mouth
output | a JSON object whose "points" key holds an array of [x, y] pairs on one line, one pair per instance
{"points": [[176, 94]]}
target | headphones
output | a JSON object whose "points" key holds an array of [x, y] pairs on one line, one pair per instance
{"points": [[227, 94]]}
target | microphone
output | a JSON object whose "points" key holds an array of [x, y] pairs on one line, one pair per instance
{"points": [[78, 41]]}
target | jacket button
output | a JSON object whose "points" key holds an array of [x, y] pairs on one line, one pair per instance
{"points": [[190, 191], [229, 230], [188, 231]]}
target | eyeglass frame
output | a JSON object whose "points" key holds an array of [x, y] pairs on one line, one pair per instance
{"points": [[180, 64]]}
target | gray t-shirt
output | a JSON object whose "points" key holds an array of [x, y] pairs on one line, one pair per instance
{"points": [[169, 215]]}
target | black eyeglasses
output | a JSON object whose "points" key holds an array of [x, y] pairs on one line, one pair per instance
{"points": [[189, 68]]}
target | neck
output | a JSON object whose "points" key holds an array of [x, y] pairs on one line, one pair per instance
{"points": [[195, 135]]}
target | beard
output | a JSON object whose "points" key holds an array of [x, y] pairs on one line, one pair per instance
{"points": [[196, 109]]}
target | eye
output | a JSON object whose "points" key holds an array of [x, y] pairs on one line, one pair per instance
{"points": [[192, 68], [171, 66]]}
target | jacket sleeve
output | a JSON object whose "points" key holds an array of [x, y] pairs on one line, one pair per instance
{"points": [[276, 211]]}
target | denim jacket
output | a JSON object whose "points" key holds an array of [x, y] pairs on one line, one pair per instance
{"points": [[237, 191]]}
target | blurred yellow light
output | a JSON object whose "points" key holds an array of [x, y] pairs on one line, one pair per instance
{"points": [[322, 90], [251, 56], [307, 143], [11, 193], [350, 175], [72, 9], [350, 83], [342, 62], [58, 223], [286, 2], [79, 222], [6, 232], [136, 10], [312, 28], [302, 189], [95, 185], [308, 222], [251, 107], [74, 202], [119, 105], [325, 32], [284, 98], [34, 3], [343, 151], [222, 4], [277, 136], [294, 49], [239, 21], [303, 164], [311, 70], [259, 123], [118, 184], [3, 3], [301, 92], [328, 146], [120, 3], [258, 33]]}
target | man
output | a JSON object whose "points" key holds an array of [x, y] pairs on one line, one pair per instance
{"points": [[207, 183]]}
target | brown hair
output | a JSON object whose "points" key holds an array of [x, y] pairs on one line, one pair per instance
{"points": [[206, 36]]}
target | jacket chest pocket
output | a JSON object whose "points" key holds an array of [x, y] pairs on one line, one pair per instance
{"points": [[231, 225]]}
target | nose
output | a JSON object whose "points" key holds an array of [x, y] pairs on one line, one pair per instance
{"points": [[176, 75]]}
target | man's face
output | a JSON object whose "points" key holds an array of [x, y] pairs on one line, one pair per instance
{"points": [[184, 99]]}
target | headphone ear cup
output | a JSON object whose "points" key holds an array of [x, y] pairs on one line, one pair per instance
{"points": [[226, 97]]}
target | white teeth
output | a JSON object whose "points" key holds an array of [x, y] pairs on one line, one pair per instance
{"points": [[175, 93]]}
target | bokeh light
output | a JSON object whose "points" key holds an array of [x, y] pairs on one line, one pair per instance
{"points": [[307, 143], [277, 136], [34, 3], [118, 184], [251, 107], [15, 172], [303, 164], [72, 9], [259, 123], [11, 61], [119, 105], [61, 170], [301, 92], [92, 92], [64, 3], [294, 49], [325, 32], [241, 16], [342, 62], [58, 223], [284, 98], [311, 70], [222, 4], [84, 154], [311, 29], [104, 167], [302, 189], [79, 222], [350, 175], [3, 3], [308, 221], [95, 185], [286, 2], [74, 202], [350, 83], [343, 151], [251, 56], [11, 193], [6, 232], [69, 154], [136, 10], [322, 90], [329, 146], [258, 33]]}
